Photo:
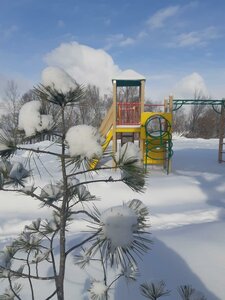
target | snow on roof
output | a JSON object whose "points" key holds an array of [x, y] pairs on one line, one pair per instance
{"points": [[129, 75]]}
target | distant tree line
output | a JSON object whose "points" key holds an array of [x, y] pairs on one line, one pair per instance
{"points": [[198, 121], [90, 110]]}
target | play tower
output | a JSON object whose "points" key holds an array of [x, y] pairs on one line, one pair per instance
{"points": [[130, 119]]}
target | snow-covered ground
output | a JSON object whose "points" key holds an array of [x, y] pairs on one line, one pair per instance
{"points": [[187, 215]]}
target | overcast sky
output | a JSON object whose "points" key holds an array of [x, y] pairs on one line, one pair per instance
{"points": [[177, 45]]}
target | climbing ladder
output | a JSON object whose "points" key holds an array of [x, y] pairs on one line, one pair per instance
{"points": [[158, 142]]}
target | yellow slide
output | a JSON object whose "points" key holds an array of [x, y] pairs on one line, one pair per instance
{"points": [[107, 132], [107, 140]]}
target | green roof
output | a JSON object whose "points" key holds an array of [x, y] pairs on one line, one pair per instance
{"points": [[128, 82]]}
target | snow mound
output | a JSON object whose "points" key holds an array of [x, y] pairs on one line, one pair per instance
{"points": [[84, 141], [30, 119]]}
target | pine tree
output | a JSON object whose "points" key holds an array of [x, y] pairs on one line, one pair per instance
{"points": [[69, 198]]}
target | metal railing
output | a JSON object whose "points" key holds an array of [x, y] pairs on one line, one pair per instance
{"points": [[129, 113]]}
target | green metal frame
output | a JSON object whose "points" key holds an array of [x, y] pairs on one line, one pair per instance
{"points": [[165, 141], [178, 103]]}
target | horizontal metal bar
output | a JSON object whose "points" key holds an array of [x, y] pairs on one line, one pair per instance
{"points": [[220, 101], [178, 103]]}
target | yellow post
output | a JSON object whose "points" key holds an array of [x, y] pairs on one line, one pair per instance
{"points": [[142, 99], [142, 95], [165, 105], [170, 103], [114, 140]]}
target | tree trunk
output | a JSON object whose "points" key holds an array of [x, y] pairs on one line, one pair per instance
{"points": [[63, 216]]}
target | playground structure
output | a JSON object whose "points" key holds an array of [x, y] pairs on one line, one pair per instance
{"points": [[128, 121]]}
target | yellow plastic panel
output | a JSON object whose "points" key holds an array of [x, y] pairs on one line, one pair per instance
{"points": [[146, 115]]}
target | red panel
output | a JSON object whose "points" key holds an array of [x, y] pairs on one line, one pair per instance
{"points": [[128, 113]]}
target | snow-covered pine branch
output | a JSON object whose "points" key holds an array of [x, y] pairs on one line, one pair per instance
{"points": [[115, 237]]}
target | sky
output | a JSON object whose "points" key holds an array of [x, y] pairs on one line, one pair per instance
{"points": [[177, 45]]}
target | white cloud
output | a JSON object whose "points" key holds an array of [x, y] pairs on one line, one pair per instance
{"points": [[196, 38], [85, 64], [160, 17], [107, 21], [9, 31], [188, 86], [188, 39], [61, 23], [127, 42], [142, 34], [118, 40]]}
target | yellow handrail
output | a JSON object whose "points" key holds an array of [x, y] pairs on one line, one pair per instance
{"points": [[107, 122]]}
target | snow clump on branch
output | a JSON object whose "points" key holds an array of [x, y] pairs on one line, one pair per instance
{"points": [[119, 223], [84, 141], [59, 79], [122, 233], [30, 119], [98, 290], [129, 153]]}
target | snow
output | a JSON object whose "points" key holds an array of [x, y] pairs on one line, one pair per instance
{"points": [[28, 189], [129, 151], [84, 141], [119, 224], [18, 171], [187, 216], [98, 290], [30, 119], [3, 138], [5, 258], [60, 79], [51, 192], [129, 75]]}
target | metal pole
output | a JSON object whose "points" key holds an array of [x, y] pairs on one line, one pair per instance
{"points": [[221, 132]]}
